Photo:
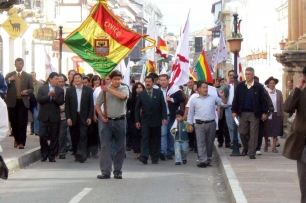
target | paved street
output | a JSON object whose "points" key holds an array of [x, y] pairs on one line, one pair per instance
{"points": [[65, 180]]}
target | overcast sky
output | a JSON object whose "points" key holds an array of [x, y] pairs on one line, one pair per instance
{"points": [[175, 13]]}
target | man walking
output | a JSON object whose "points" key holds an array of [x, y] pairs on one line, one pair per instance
{"points": [[113, 125], [152, 108], [79, 113], [202, 111], [251, 105], [50, 97], [20, 86]]}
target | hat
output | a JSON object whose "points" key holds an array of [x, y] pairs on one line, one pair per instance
{"points": [[271, 78]]}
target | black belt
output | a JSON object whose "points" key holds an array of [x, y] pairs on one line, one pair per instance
{"points": [[201, 122], [116, 119]]}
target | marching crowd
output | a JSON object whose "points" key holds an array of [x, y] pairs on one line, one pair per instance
{"points": [[156, 120]]}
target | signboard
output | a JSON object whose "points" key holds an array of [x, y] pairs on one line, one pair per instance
{"points": [[215, 34], [55, 47], [46, 34], [14, 26]]}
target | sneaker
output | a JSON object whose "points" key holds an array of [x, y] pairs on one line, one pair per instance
{"points": [[258, 152]]}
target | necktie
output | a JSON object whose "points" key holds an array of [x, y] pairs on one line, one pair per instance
{"points": [[18, 74], [150, 94]]}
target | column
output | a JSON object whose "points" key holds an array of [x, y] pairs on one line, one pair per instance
{"points": [[294, 20], [289, 21], [302, 17]]}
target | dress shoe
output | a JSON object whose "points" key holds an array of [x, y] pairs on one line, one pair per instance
{"points": [[169, 157], [144, 160], [201, 165], [52, 160], [252, 157], [21, 146], [15, 144], [208, 164], [82, 159], [162, 157], [227, 145], [220, 145], [154, 162], [177, 163], [43, 159], [103, 176], [244, 152], [62, 156], [185, 161], [31, 133], [118, 176]]}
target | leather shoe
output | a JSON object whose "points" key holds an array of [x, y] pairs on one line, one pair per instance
{"points": [[52, 160], [220, 145], [118, 176], [252, 157], [15, 144], [43, 159], [82, 159], [62, 156], [144, 160], [154, 162], [162, 156], [21, 146], [169, 157], [201, 165], [244, 152], [184, 161], [103, 176], [177, 163]]}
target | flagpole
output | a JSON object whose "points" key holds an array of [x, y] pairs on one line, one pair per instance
{"points": [[104, 104]]}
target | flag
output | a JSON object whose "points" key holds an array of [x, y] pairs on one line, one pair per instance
{"points": [[102, 40], [126, 78], [220, 53], [203, 70], [48, 64], [239, 67], [162, 49], [180, 68], [143, 73], [121, 67], [193, 75]]}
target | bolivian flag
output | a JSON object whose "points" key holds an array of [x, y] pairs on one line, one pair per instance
{"points": [[102, 40], [162, 49], [203, 70]]}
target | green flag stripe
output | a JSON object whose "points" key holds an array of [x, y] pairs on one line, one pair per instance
{"points": [[200, 72], [85, 50]]}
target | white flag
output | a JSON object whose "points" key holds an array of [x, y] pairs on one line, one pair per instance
{"points": [[220, 54], [126, 79], [48, 64], [143, 73], [121, 67], [152, 33]]}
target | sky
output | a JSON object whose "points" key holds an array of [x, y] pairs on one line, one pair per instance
{"points": [[175, 13]]}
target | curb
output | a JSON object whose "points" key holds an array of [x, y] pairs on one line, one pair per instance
{"points": [[27, 158], [234, 189]]}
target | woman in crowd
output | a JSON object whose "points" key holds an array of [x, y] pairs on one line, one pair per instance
{"points": [[136, 134], [273, 127]]}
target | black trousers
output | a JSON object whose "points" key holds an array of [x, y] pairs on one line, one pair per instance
{"points": [[18, 117], [49, 131], [150, 142], [128, 134], [135, 137], [78, 133], [223, 134], [93, 139], [191, 137]]}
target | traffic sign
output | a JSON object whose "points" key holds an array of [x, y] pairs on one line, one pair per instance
{"points": [[15, 26]]}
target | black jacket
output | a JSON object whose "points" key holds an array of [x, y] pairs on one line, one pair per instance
{"points": [[177, 100], [153, 111], [260, 102], [50, 109]]}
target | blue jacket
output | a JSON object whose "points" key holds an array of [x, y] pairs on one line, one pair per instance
{"points": [[181, 135]]}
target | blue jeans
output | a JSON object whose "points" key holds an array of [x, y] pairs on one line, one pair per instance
{"points": [[100, 124], [181, 150], [167, 140], [35, 123], [230, 123]]}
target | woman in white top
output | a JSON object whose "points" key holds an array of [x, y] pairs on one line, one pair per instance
{"points": [[273, 127]]}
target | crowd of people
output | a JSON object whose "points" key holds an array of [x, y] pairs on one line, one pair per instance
{"points": [[156, 120]]}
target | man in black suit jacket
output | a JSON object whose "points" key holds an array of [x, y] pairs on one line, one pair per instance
{"points": [[20, 86], [173, 98], [79, 113], [50, 97], [152, 105]]}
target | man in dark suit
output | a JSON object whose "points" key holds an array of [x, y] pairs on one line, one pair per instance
{"points": [[50, 97], [173, 98], [20, 86], [152, 105], [295, 144], [79, 113]]}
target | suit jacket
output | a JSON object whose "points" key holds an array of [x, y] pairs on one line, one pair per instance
{"points": [[294, 145], [26, 84], [71, 104], [153, 110], [177, 100], [50, 109]]}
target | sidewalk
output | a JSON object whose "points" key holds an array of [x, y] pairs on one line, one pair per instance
{"points": [[15, 158], [270, 178]]}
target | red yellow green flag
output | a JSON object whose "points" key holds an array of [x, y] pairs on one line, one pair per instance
{"points": [[203, 70], [102, 40]]}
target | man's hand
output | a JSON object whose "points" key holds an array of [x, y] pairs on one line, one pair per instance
{"points": [[88, 121], [69, 122], [24, 92], [12, 78], [300, 83], [190, 128], [138, 126], [51, 93], [165, 121], [168, 98], [234, 115], [264, 117], [104, 119], [104, 88]]}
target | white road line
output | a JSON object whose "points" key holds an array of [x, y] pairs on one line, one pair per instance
{"points": [[78, 197]]}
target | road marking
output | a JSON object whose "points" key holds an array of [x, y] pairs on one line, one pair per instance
{"points": [[78, 197]]}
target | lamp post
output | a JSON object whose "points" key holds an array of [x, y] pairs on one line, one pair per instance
{"points": [[234, 7], [60, 33]]}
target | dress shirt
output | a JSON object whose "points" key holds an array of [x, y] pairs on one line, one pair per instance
{"points": [[230, 94], [79, 96], [165, 97], [249, 86], [50, 89]]}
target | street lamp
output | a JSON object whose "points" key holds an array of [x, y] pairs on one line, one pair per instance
{"points": [[59, 22], [234, 7]]}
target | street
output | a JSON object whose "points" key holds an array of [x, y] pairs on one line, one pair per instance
{"points": [[68, 181]]}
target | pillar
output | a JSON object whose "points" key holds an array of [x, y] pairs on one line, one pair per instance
{"points": [[294, 20], [289, 21]]}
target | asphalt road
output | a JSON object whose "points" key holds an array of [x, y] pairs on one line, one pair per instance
{"points": [[69, 182]]}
